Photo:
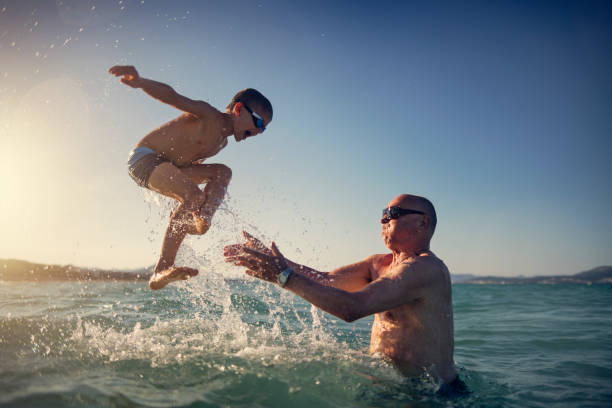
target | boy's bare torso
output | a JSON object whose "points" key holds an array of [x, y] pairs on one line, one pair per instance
{"points": [[417, 335], [186, 139]]}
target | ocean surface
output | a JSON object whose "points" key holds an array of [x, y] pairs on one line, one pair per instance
{"points": [[214, 342]]}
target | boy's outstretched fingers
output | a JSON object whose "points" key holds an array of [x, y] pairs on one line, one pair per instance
{"points": [[128, 73]]}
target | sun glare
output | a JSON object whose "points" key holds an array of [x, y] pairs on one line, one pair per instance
{"points": [[46, 129]]}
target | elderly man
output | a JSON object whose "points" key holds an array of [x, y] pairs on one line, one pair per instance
{"points": [[408, 290]]}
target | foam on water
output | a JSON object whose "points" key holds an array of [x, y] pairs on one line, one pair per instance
{"points": [[246, 343]]}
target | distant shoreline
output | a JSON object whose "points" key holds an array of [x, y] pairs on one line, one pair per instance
{"points": [[597, 276], [13, 270]]}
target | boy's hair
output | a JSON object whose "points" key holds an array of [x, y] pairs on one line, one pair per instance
{"points": [[252, 98]]}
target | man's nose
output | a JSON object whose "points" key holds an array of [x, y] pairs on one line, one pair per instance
{"points": [[384, 220]]}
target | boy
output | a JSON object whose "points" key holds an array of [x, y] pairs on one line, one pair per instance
{"points": [[169, 160]]}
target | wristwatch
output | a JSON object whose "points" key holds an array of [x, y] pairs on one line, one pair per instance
{"points": [[284, 276]]}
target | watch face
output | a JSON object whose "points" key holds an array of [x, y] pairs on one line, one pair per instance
{"points": [[282, 278]]}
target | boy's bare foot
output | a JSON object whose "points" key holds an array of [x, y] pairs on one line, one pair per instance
{"points": [[174, 273]]}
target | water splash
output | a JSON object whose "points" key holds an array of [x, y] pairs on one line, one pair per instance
{"points": [[221, 332]]}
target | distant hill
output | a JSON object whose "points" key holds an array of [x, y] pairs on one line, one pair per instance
{"points": [[599, 275], [461, 278], [16, 270]]}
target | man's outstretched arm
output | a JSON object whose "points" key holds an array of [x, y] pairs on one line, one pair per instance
{"points": [[350, 278], [403, 285], [386, 293], [162, 92]]}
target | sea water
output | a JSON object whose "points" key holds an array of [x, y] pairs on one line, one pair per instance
{"points": [[218, 342]]}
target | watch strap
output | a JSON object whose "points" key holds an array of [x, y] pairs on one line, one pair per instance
{"points": [[284, 276]]}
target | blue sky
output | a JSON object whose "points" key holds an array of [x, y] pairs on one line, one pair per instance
{"points": [[499, 112]]}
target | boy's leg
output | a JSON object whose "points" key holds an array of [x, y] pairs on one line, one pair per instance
{"points": [[165, 271], [171, 181], [182, 184], [217, 177]]}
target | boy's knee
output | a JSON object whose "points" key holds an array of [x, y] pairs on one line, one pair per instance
{"points": [[196, 232], [223, 174]]}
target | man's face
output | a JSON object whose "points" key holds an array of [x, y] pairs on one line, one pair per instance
{"points": [[401, 230]]}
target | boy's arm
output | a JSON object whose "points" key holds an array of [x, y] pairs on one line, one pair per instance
{"points": [[162, 92]]}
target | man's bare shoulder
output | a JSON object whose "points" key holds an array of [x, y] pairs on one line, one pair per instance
{"points": [[426, 259], [379, 260], [427, 265]]}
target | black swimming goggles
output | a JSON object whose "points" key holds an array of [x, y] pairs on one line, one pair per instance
{"points": [[393, 213]]}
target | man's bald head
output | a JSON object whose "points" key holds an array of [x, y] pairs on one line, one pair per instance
{"points": [[413, 202]]}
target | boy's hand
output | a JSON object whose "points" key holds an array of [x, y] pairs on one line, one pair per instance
{"points": [[129, 74]]}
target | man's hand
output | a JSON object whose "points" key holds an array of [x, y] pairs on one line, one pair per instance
{"points": [[129, 74], [261, 262], [250, 242]]}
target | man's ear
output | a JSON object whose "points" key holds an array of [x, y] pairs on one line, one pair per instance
{"points": [[425, 222]]}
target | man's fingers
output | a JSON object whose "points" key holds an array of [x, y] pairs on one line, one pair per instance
{"points": [[232, 249], [247, 236], [251, 239], [255, 253], [235, 249], [254, 242], [277, 252], [245, 256], [253, 273], [247, 262]]}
